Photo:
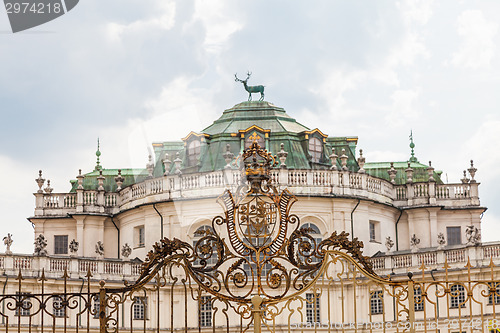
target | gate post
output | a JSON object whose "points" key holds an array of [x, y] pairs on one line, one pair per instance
{"points": [[102, 308], [257, 313], [411, 303]]}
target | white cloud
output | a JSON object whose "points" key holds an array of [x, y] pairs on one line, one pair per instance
{"points": [[478, 45], [163, 20], [18, 202], [219, 23], [490, 227], [408, 51], [403, 108], [335, 84], [416, 11], [384, 156], [480, 146], [176, 111]]}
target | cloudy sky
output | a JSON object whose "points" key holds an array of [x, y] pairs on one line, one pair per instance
{"points": [[131, 72]]}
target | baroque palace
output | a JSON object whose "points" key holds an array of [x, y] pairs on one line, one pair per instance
{"points": [[407, 218]]}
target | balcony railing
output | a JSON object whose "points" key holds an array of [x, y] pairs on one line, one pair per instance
{"points": [[478, 256], [300, 182], [75, 267]]}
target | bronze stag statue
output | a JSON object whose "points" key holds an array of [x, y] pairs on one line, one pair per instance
{"points": [[251, 89]]}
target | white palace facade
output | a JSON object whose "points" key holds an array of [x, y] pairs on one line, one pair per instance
{"points": [[108, 219]]}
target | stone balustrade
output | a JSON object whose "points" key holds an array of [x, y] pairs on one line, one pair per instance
{"points": [[479, 256], [54, 266], [117, 270], [299, 182]]}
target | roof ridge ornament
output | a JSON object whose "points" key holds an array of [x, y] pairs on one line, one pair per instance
{"points": [[98, 165], [251, 89], [412, 145]]}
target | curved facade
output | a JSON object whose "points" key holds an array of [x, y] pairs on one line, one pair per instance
{"points": [[378, 202]]}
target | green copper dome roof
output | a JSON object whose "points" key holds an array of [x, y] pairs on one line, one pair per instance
{"points": [[246, 114], [252, 120]]}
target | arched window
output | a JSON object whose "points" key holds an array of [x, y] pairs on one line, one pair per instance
{"points": [[205, 249], [315, 233], [255, 136], [457, 296], [419, 300], [315, 149], [193, 152]]}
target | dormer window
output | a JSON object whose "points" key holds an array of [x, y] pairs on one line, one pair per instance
{"points": [[193, 152], [315, 149], [255, 136]]}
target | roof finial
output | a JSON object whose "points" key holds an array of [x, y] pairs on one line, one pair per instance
{"points": [[412, 145], [98, 153]]}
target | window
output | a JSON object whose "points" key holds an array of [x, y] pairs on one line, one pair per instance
{"points": [[494, 295], [457, 296], [140, 236], [205, 249], [314, 232], [193, 152], [59, 310], [315, 149], [25, 305], [374, 227], [376, 302], [255, 137], [454, 235], [372, 232], [419, 300], [61, 244], [205, 311], [139, 308], [97, 306], [313, 308]]}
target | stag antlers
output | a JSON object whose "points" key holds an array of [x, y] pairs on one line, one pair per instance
{"points": [[238, 80]]}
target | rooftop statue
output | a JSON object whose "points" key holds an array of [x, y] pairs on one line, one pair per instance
{"points": [[251, 89]]}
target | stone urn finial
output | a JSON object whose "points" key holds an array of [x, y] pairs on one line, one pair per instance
{"points": [[177, 163], [40, 181], [361, 162], [48, 189], [392, 173], [167, 163], [409, 174], [343, 159], [119, 180], [333, 159], [465, 180], [100, 181], [472, 171], [150, 166], [430, 172], [80, 178], [282, 155], [228, 156]]}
